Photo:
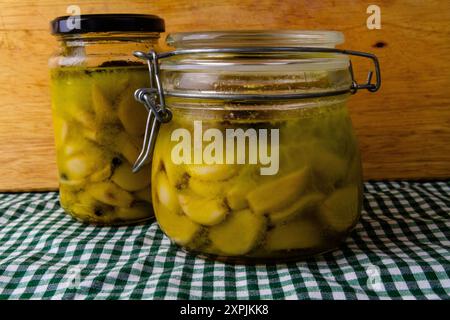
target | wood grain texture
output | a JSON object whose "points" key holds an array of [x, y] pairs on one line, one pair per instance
{"points": [[404, 130]]}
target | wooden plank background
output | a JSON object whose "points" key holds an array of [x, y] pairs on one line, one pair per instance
{"points": [[404, 130]]}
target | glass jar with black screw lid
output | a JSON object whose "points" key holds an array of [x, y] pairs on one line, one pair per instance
{"points": [[98, 125]]}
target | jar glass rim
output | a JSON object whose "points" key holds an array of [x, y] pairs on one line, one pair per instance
{"points": [[240, 38]]}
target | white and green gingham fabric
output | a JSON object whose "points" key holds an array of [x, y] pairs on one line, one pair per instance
{"points": [[399, 250]]}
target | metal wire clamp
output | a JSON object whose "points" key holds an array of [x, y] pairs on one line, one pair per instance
{"points": [[154, 97]]}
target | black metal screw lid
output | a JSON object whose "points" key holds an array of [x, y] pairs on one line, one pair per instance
{"points": [[108, 23]]}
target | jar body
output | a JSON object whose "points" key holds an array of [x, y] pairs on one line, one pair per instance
{"points": [[231, 210], [99, 127]]}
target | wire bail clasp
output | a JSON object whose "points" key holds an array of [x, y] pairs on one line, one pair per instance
{"points": [[153, 97], [154, 102], [372, 87]]}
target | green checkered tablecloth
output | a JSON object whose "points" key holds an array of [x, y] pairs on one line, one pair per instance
{"points": [[400, 249]]}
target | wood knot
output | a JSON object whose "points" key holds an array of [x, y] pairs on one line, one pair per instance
{"points": [[380, 44]]}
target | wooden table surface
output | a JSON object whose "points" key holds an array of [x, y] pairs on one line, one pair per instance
{"points": [[404, 129]]}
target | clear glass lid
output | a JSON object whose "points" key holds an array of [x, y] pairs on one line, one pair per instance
{"points": [[231, 39], [265, 69]]}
